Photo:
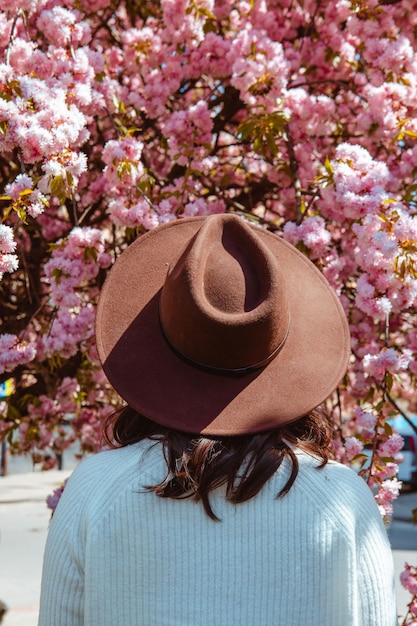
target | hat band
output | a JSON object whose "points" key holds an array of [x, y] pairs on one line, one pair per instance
{"points": [[226, 371]]}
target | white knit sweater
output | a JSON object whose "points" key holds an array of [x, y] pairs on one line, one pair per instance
{"points": [[119, 556]]}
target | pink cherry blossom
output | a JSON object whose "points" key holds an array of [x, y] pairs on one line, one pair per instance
{"points": [[312, 232], [7, 242], [365, 419], [389, 491], [388, 359], [53, 499], [392, 445], [353, 447], [408, 579], [14, 352]]}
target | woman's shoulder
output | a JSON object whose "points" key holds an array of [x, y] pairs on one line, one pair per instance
{"points": [[118, 460], [335, 483], [108, 457], [332, 470], [104, 476]]}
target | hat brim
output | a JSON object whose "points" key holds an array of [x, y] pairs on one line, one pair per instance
{"points": [[162, 386]]}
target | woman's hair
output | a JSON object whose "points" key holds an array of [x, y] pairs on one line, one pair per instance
{"points": [[198, 464]]}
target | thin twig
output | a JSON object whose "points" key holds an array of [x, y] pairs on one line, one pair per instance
{"points": [[12, 34], [294, 172], [401, 412]]}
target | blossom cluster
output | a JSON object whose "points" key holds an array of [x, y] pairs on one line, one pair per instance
{"points": [[8, 261], [408, 578], [14, 352], [53, 499], [375, 449]]}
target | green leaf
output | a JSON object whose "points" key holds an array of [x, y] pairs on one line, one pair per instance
{"points": [[70, 179], [55, 361], [369, 396], [271, 144], [124, 167], [7, 212], [21, 211], [360, 457], [388, 380], [388, 429], [58, 188], [411, 190], [13, 413], [90, 253], [328, 166], [28, 398], [57, 274], [57, 246], [328, 54], [373, 128]]}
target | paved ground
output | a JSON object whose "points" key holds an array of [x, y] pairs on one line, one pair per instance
{"points": [[24, 520]]}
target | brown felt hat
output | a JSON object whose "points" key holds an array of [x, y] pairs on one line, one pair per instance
{"points": [[212, 325]]}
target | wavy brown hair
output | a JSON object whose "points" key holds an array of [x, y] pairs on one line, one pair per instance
{"points": [[198, 464]]}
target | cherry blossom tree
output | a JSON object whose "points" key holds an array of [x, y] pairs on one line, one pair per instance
{"points": [[117, 116]]}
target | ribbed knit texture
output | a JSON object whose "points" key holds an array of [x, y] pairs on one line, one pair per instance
{"points": [[117, 555]]}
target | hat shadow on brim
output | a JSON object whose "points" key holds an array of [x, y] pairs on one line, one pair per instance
{"points": [[196, 397]]}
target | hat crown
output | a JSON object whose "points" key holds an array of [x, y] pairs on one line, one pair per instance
{"points": [[223, 305]]}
